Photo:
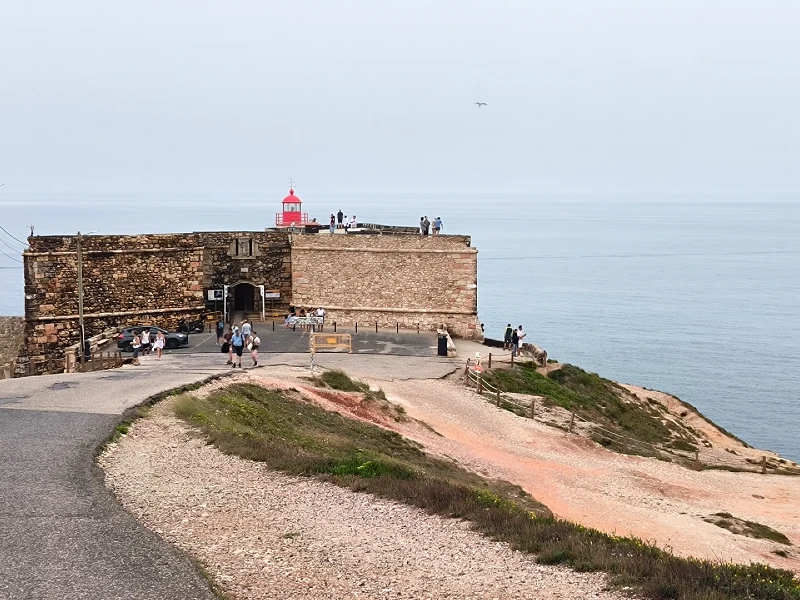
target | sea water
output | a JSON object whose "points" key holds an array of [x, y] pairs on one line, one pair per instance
{"points": [[698, 296]]}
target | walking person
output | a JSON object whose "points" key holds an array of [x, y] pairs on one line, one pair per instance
{"points": [[507, 337], [437, 225], [159, 344], [333, 222], [237, 347], [339, 217], [220, 331], [146, 341], [137, 348], [255, 342], [321, 317], [246, 328], [226, 345]]}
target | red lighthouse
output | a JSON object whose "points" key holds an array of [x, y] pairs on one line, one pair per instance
{"points": [[292, 212]]}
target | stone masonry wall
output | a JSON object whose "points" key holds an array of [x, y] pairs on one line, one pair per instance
{"points": [[155, 279], [269, 265], [390, 279]]}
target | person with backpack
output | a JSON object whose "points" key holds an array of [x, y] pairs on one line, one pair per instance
{"points": [[237, 347], [220, 331], [255, 342], [507, 337]]}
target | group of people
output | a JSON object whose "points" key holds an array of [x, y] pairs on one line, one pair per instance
{"points": [[143, 343], [339, 221], [512, 340], [235, 340], [318, 314], [425, 225]]}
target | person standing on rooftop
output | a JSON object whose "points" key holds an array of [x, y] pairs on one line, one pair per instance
{"points": [[339, 217]]}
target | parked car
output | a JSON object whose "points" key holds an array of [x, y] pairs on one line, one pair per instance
{"points": [[172, 340]]}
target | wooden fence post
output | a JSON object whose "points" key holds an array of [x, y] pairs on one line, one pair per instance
{"points": [[571, 421], [480, 384], [490, 360], [498, 396], [763, 465], [696, 455], [50, 364], [533, 408], [466, 369]]}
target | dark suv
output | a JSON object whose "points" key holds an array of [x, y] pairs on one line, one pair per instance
{"points": [[172, 340]]}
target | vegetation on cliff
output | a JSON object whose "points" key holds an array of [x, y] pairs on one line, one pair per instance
{"points": [[289, 434]]}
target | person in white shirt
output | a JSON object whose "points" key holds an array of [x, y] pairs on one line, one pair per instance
{"points": [[146, 341], [254, 343], [353, 222], [321, 317]]}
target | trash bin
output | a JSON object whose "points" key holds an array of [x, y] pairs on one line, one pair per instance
{"points": [[442, 345]]}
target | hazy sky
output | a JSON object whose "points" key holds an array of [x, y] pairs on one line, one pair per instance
{"points": [[668, 95]]}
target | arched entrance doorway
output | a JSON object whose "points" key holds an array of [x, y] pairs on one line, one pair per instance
{"points": [[244, 297]]}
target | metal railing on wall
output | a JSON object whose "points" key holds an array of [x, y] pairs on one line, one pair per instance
{"points": [[573, 423]]}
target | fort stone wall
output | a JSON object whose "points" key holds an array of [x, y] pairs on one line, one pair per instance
{"points": [[126, 279], [389, 279]]}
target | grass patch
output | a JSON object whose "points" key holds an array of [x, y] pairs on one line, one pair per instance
{"points": [[747, 528], [341, 381], [592, 398], [303, 439]]}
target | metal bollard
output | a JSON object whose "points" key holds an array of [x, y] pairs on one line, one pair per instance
{"points": [[356, 326], [334, 327], [376, 327], [398, 327]]}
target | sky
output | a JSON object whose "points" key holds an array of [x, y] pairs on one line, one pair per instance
{"points": [[352, 95]]}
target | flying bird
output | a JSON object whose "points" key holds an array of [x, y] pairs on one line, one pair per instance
{"points": [[480, 104]]}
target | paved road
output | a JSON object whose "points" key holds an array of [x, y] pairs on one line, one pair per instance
{"points": [[279, 339], [62, 534]]}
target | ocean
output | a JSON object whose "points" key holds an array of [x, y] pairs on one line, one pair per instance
{"points": [[697, 295]]}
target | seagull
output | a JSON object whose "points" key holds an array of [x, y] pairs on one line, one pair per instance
{"points": [[480, 104]]}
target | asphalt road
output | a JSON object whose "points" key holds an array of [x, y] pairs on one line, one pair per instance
{"points": [[62, 533], [285, 341]]}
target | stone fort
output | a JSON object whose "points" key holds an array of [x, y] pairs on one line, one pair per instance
{"points": [[386, 275]]}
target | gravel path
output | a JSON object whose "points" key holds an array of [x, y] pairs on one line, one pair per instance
{"points": [[266, 535]]}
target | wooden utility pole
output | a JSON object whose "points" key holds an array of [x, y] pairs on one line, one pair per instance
{"points": [[80, 301]]}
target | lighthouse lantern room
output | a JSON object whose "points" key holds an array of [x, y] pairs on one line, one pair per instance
{"points": [[292, 211]]}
